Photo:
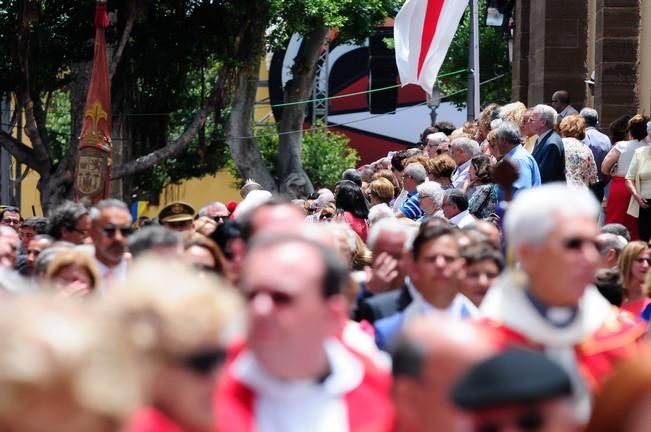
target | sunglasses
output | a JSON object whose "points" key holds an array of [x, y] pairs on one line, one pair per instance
{"points": [[110, 230], [528, 422], [577, 243], [203, 362], [278, 298]]}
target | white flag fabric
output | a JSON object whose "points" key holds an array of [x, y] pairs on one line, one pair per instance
{"points": [[423, 31]]}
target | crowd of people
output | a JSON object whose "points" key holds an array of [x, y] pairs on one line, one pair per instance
{"points": [[493, 278]]}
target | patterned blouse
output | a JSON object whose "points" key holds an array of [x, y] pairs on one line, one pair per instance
{"points": [[580, 167], [483, 201]]}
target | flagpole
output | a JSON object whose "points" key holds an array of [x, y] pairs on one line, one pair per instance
{"points": [[473, 104]]}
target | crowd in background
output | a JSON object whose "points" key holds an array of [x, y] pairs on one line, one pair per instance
{"points": [[494, 277]]}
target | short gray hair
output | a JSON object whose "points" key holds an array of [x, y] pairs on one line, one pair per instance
{"points": [[437, 137], [509, 132], [342, 227], [416, 171], [612, 241], [467, 145], [390, 226], [547, 113], [379, 212], [590, 116], [433, 190], [540, 207], [106, 204]]}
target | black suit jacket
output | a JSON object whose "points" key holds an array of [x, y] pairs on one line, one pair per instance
{"points": [[382, 305], [549, 153]]}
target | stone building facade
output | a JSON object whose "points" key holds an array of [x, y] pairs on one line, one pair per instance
{"points": [[559, 43]]}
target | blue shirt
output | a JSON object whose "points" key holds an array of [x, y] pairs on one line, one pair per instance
{"points": [[527, 168], [600, 145], [411, 207]]}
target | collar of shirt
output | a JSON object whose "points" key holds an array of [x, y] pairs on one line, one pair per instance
{"points": [[458, 218], [556, 316], [544, 135], [346, 373], [460, 307]]}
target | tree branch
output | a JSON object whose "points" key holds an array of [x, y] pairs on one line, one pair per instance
{"points": [[22, 153], [117, 56]]}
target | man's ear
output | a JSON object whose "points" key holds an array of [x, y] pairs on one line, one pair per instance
{"points": [[525, 254]]}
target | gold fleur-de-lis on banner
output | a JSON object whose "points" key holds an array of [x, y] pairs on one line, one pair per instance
{"points": [[96, 113]]}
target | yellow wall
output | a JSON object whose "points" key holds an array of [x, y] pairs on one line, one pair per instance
{"points": [[197, 192]]}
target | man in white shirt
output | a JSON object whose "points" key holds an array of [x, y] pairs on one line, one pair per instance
{"points": [[455, 208], [109, 229], [294, 374], [462, 150], [436, 271]]}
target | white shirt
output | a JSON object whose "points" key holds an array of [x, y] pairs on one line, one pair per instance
{"points": [[111, 275], [461, 174], [301, 405], [400, 200], [420, 308], [463, 219]]}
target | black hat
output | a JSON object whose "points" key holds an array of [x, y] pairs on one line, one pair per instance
{"points": [[177, 211], [513, 376]]}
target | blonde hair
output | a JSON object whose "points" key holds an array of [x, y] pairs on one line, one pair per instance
{"points": [[70, 351], [69, 257], [173, 310], [572, 126], [626, 259], [513, 112], [382, 189]]}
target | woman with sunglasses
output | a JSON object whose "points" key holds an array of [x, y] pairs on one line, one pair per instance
{"points": [[188, 322], [633, 266]]}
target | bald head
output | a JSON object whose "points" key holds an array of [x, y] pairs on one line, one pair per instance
{"points": [[431, 355]]}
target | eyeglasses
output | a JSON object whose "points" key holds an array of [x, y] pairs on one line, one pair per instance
{"points": [[80, 231], [642, 260], [529, 422], [204, 362], [110, 230], [279, 298], [577, 243]]}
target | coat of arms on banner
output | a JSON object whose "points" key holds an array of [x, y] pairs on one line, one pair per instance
{"points": [[91, 172]]}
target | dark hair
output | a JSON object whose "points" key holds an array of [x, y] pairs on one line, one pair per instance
{"points": [[335, 275], [609, 284], [481, 252], [408, 359], [637, 126], [41, 225], [428, 131], [151, 236], [65, 215], [429, 233], [11, 209], [618, 128], [224, 234], [352, 175], [445, 126], [350, 198], [482, 165], [458, 198]]}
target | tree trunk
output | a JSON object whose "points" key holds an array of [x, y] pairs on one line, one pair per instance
{"points": [[239, 130], [293, 178]]}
